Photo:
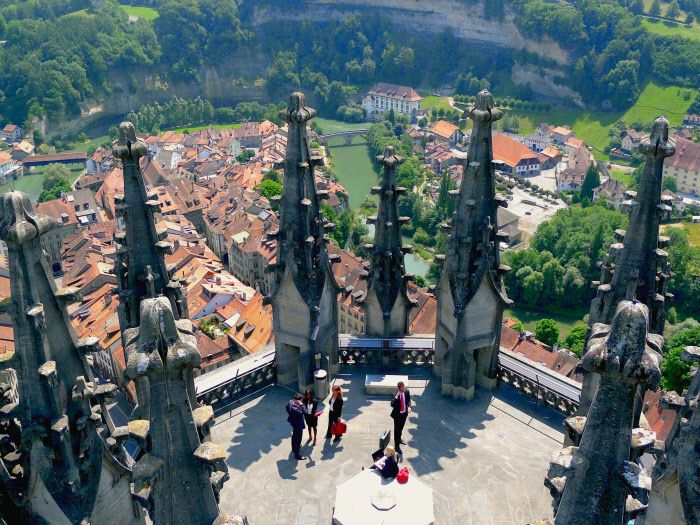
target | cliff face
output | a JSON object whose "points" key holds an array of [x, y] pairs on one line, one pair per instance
{"points": [[221, 84], [430, 17]]}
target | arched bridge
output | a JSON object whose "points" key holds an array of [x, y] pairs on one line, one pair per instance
{"points": [[349, 136]]}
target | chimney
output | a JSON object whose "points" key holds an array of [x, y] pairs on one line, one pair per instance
{"points": [[257, 287], [176, 245], [347, 273], [108, 299]]}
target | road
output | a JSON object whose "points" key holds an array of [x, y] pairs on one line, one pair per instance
{"points": [[538, 213]]}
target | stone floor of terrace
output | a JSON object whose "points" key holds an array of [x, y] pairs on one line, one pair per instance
{"points": [[485, 459]]}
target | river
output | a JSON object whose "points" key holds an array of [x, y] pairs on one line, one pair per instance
{"points": [[357, 172]]}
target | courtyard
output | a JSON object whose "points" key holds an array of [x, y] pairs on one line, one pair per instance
{"points": [[485, 459]]}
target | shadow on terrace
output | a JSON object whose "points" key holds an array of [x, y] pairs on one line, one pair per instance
{"points": [[485, 459]]}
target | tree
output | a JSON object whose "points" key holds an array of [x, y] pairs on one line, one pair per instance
{"points": [[113, 133], [547, 331], [574, 341], [38, 137], [672, 315], [269, 189], [420, 281], [690, 18], [55, 191], [670, 184], [590, 182], [518, 326], [586, 202], [274, 176], [675, 374], [596, 246], [53, 174], [343, 227], [674, 10], [655, 9], [245, 155], [91, 150], [532, 288], [637, 6]]}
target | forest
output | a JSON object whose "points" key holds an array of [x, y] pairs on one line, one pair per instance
{"points": [[59, 53]]}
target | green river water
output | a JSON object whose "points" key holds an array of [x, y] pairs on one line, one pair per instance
{"points": [[357, 172]]}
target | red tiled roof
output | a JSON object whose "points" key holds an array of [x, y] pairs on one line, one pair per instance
{"points": [[687, 155], [510, 151]]}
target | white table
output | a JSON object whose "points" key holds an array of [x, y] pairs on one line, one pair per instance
{"points": [[353, 501], [383, 384]]}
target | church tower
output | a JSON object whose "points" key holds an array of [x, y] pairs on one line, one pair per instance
{"points": [[471, 294], [304, 297], [387, 304]]}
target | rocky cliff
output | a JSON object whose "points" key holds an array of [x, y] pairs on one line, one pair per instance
{"points": [[431, 17]]}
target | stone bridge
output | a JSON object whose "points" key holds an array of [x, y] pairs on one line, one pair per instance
{"points": [[349, 136]]}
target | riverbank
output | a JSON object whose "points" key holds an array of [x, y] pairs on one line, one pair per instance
{"points": [[357, 172]]}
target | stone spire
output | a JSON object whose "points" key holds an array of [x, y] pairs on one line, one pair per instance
{"points": [[304, 293], [179, 477], [52, 452], [140, 263], [471, 294], [636, 266], [678, 469], [387, 304], [140, 266], [600, 482]]}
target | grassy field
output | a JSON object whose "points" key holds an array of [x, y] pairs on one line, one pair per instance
{"points": [[693, 229], [529, 319], [656, 100], [192, 129], [670, 29], [94, 142], [593, 127], [31, 183], [664, 9], [621, 175], [428, 101], [142, 12]]}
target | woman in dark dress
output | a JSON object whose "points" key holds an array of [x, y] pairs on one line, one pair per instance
{"points": [[336, 409], [311, 404]]}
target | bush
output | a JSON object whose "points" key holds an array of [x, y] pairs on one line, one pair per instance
{"points": [[518, 104]]}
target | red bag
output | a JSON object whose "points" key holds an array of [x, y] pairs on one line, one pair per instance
{"points": [[402, 477], [339, 427]]}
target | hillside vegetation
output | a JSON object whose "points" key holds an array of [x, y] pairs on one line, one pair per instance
{"points": [[61, 52]]}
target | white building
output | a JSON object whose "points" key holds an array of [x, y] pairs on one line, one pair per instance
{"points": [[684, 166], [537, 142], [383, 97]]}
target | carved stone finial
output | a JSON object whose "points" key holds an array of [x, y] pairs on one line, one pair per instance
{"points": [[624, 353], [297, 111], [484, 109], [128, 146], [658, 142], [19, 223], [390, 158]]}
